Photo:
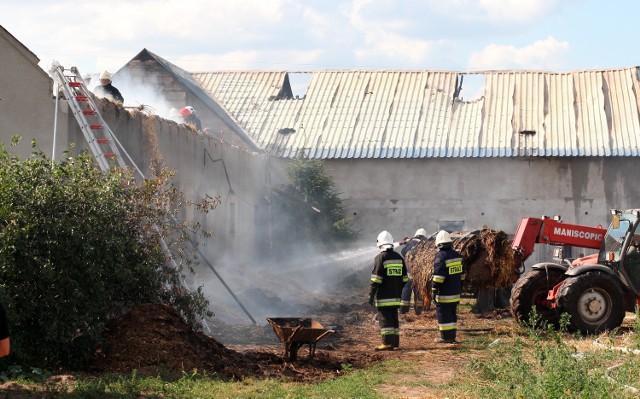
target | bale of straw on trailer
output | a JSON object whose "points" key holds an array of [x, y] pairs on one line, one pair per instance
{"points": [[488, 259]]}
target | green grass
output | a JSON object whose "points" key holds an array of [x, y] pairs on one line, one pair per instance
{"points": [[529, 363], [355, 384], [543, 363]]}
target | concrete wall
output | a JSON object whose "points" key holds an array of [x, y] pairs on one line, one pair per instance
{"points": [[26, 105], [204, 167], [404, 195]]}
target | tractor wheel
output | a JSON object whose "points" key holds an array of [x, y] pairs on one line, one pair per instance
{"points": [[530, 292], [594, 300]]}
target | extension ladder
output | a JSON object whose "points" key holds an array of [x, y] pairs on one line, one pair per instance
{"points": [[104, 147], [99, 136]]}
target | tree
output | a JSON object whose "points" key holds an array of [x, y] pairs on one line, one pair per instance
{"points": [[79, 247], [309, 210]]}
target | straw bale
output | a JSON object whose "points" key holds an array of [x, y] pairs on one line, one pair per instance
{"points": [[487, 255]]}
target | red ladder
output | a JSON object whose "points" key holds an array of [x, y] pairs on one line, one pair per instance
{"points": [[97, 133]]}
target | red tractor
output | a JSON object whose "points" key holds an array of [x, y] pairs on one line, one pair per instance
{"points": [[596, 290]]}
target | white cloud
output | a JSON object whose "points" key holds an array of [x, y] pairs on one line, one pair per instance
{"points": [[542, 54], [511, 12], [250, 59], [383, 39], [299, 34], [398, 50]]}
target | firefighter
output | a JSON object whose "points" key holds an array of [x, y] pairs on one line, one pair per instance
{"points": [[189, 117], [448, 274], [5, 342], [421, 235], [388, 277], [106, 89]]}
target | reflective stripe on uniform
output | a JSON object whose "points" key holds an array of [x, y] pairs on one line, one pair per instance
{"points": [[454, 266], [447, 298], [438, 279], [392, 262], [393, 268], [376, 279], [404, 303], [447, 326], [387, 302], [387, 331]]}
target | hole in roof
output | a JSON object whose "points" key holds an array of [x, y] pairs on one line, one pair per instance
{"points": [[472, 86], [299, 82]]}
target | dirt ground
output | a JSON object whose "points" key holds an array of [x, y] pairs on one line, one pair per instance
{"points": [[153, 338]]}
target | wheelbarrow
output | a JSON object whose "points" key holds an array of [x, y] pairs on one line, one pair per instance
{"points": [[294, 332]]}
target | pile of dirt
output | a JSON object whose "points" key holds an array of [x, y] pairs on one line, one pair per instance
{"points": [[154, 339], [488, 258]]}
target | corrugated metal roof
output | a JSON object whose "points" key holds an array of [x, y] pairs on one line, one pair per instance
{"points": [[418, 114]]}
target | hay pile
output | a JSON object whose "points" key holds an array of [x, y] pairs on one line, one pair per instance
{"points": [[488, 258]]}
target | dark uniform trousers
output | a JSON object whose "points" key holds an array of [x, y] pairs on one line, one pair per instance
{"points": [[389, 325], [447, 319], [406, 298], [448, 274]]}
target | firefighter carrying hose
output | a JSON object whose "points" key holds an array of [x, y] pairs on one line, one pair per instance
{"points": [[421, 235], [448, 274], [388, 277]]}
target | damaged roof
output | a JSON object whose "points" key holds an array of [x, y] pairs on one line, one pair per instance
{"points": [[418, 114], [187, 80]]}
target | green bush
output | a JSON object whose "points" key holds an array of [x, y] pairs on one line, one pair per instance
{"points": [[78, 247], [310, 207]]}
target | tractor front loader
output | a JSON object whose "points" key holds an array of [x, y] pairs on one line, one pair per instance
{"points": [[596, 290]]}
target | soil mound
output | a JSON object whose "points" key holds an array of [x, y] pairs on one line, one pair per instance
{"points": [[154, 337]]}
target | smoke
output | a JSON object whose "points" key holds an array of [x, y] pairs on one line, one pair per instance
{"points": [[298, 283], [297, 286], [137, 94]]}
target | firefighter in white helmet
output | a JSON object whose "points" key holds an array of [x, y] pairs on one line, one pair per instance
{"points": [[409, 288], [106, 89], [448, 274], [388, 277]]}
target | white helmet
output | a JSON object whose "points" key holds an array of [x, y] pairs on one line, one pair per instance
{"points": [[421, 232], [105, 75], [385, 240], [442, 238]]}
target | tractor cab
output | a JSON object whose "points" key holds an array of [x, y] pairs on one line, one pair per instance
{"points": [[621, 248]]}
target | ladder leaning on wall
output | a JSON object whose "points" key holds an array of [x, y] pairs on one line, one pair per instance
{"points": [[104, 146], [97, 133]]}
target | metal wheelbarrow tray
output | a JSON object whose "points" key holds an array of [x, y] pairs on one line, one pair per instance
{"points": [[294, 332]]}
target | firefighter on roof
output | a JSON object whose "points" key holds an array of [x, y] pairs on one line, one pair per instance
{"points": [[189, 117], [388, 277], [106, 89], [448, 275]]}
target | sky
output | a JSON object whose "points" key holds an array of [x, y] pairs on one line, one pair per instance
{"points": [[306, 35]]}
